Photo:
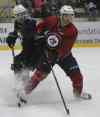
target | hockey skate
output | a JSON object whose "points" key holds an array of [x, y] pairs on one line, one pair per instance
{"points": [[84, 95], [21, 101]]}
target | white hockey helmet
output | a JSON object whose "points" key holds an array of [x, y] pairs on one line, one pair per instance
{"points": [[18, 9], [67, 10]]}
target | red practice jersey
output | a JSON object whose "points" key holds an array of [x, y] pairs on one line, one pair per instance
{"points": [[69, 33]]}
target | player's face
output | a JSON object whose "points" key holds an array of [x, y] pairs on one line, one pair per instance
{"points": [[20, 16], [68, 18]]}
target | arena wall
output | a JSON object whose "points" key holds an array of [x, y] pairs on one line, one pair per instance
{"points": [[89, 34]]}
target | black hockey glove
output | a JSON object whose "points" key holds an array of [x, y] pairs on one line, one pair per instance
{"points": [[40, 39], [11, 39]]}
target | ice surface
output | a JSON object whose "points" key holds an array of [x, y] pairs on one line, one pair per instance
{"points": [[45, 100]]}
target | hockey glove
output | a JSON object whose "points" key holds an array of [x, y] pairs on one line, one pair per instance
{"points": [[39, 39], [11, 39]]}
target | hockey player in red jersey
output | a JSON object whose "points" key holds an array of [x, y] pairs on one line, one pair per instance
{"points": [[59, 51]]}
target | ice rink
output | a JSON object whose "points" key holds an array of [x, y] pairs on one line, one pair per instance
{"points": [[45, 100]]}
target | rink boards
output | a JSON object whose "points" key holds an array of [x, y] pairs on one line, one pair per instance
{"points": [[89, 34]]}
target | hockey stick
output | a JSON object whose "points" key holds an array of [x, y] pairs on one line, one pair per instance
{"points": [[13, 53], [58, 86], [62, 97], [13, 57]]}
